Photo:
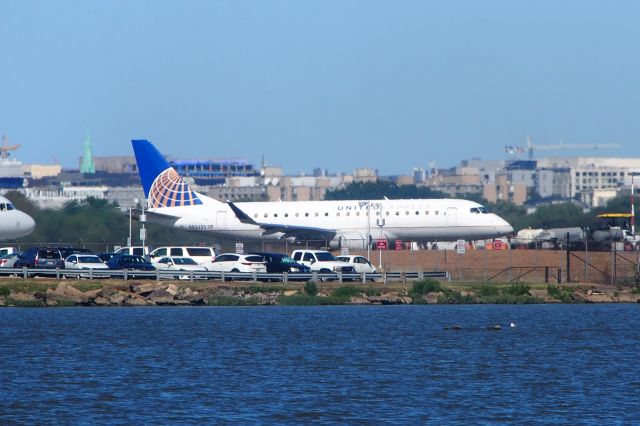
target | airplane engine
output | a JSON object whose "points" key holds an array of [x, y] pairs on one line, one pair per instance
{"points": [[353, 242]]}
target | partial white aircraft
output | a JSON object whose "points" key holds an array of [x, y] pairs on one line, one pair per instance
{"points": [[352, 223], [13, 222]]}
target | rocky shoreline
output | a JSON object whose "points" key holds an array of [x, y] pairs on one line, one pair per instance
{"points": [[63, 294]]}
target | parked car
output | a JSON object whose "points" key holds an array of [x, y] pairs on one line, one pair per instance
{"points": [[83, 262], [360, 263], [105, 256], [68, 251], [321, 261], [232, 262], [40, 258], [8, 260], [133, 250], [278, 263], [7, 250], [180, 264], [199, 254], [130, 262]]}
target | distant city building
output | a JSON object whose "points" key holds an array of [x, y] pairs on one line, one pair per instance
{"points": [[419, 175], [213, 172], [365, 174]]}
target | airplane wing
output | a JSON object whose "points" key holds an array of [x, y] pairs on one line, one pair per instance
{"points": [[298, 232]]}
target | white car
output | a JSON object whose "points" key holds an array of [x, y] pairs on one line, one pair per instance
{"points": [[360, 263], [232, 262], [180, 264], [8, 260], [199, 254], [83, 262]]}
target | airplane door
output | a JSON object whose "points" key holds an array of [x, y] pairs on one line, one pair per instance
{"points": [[221, 220], [452, 216]]}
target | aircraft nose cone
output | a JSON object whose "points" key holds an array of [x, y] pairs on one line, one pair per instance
{"points": [[29, 224], [26, 224]]}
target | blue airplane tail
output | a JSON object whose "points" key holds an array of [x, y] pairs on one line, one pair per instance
{"points": [[162, 185]]}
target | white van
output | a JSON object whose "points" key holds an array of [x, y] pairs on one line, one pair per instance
{"points": [[199, 254], [135, 250]]}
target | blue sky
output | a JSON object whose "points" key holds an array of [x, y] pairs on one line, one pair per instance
{"points": [[333, 84]]}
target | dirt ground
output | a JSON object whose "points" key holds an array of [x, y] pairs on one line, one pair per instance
{"points": [[507, 265]]}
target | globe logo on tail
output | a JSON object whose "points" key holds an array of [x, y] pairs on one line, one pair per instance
{"points": [[169, 190]]}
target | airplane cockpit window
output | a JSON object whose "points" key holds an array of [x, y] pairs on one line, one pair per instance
{"points": [[3, 207], [478, 210]]}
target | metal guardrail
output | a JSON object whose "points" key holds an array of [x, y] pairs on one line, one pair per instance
{"points": [[59, 273]]}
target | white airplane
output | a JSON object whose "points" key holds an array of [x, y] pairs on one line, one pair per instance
{"points": [[352, 223], [13, 222]]}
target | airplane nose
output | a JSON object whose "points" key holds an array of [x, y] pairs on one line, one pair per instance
{"points": [[26, 224], [29, 223]]}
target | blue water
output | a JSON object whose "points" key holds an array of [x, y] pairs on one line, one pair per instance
{"points": [[563, 364]]}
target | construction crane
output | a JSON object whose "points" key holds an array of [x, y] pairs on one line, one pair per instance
{"points": [[531, 147], [4, 149]]}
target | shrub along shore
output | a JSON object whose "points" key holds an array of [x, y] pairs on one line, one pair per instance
{"points": [[42, 293]]}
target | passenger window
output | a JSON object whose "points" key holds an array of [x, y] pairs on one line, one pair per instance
{"points": [[426, 212], [306, 215], [338, 214], [266, 215], [326, 214], [286, 215], [348, 213], [308, 257], [406, 213], [275, 215], [436, 212], [397, 213], [176, 251], [417, 213]]}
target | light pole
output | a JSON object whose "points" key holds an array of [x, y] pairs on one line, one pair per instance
{"points": [[368, 204], [143, 231], [380, 223], [130, 240]]}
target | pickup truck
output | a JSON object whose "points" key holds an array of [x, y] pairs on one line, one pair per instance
{"points": [[321, 261]]}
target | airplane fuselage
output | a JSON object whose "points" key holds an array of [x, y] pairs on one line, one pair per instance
{"points": [[415, 220]]}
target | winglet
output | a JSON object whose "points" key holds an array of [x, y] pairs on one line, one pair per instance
{"points": [[242, 216]]}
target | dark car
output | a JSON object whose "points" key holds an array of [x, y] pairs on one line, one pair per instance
{"points": [[68, 251], [130, 262], [40, 258], [105, 257], [278, 263]]}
